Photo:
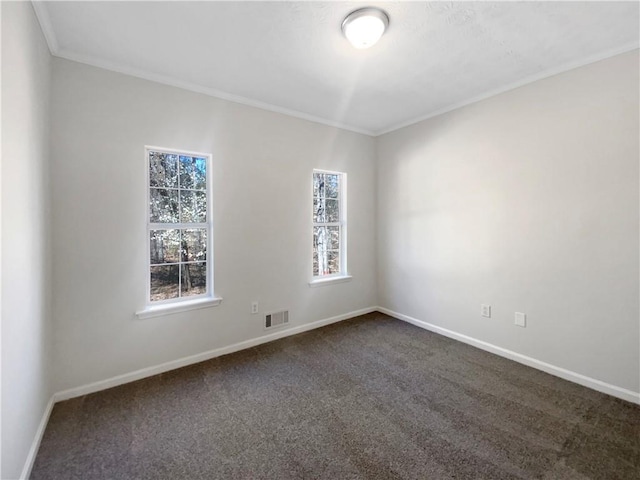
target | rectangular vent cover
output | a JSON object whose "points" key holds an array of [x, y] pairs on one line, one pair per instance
{"points": [[276, 319]]}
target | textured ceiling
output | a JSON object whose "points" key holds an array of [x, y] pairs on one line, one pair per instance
{"points": [[292, 57]]}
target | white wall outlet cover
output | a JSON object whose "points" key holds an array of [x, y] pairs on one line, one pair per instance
{"points": [[520, 319], [254, 307], [485, 310]]}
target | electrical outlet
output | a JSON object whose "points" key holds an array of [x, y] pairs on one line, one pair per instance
{"points": [[520, 319], [254, 307], [485, 310]]}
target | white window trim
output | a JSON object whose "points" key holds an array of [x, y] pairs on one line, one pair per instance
{"points": [[329, 280], [175, 305], [343, 276]]}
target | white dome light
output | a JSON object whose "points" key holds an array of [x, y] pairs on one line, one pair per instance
{"points": [[364, 27]]}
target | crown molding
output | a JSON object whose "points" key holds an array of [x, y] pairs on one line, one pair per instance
{"points": [[212, 92], [512, 86], [42, 13]]}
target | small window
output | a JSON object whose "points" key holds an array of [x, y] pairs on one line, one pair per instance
{"points": [[179, 227], [329, 224]]}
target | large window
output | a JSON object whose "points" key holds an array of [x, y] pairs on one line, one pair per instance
{"points": [[329, 224], [179, 226]]}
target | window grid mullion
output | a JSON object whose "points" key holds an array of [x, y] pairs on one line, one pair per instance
{"points": [[176, 263], [177, 226], [176, 188], [327, 224]]}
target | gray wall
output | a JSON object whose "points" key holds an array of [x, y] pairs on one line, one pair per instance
{"points": [[262, 168], [26, 328], [527, 201]]}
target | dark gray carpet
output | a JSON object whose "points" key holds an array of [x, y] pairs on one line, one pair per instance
{"points": [[371, 397]]}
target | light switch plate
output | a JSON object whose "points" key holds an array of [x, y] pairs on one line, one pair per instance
{"points": [[485, 310], [520, 319]]}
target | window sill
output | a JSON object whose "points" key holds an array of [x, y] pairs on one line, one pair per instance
{"points": [[171, 308], [321, 282]]}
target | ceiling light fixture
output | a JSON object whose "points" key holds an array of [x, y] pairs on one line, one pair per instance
{"points": [[364, 27]]}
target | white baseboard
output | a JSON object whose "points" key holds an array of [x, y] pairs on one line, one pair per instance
{"points": [[592, 383], [165, 367], [35, 445], [578, 378], [200, 357]]}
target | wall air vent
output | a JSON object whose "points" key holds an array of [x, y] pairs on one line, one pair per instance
{"points": [[276, 319]]}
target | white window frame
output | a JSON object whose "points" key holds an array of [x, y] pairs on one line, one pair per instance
{"points": [[180, 304], [343, 275]]}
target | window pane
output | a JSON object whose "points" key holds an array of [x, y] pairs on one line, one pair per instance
{"points": [[194, 279], [164, 282], [319, 235], [326, 238], [165, 246], [332, 185], [332, 211], [318, 185], [326, 250], [194, 245], [163, 170], [326, 210], [334, 238], [164, 205], [319, 210], [322, 259], [193, 172], [193, 207], [333, 264]]}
